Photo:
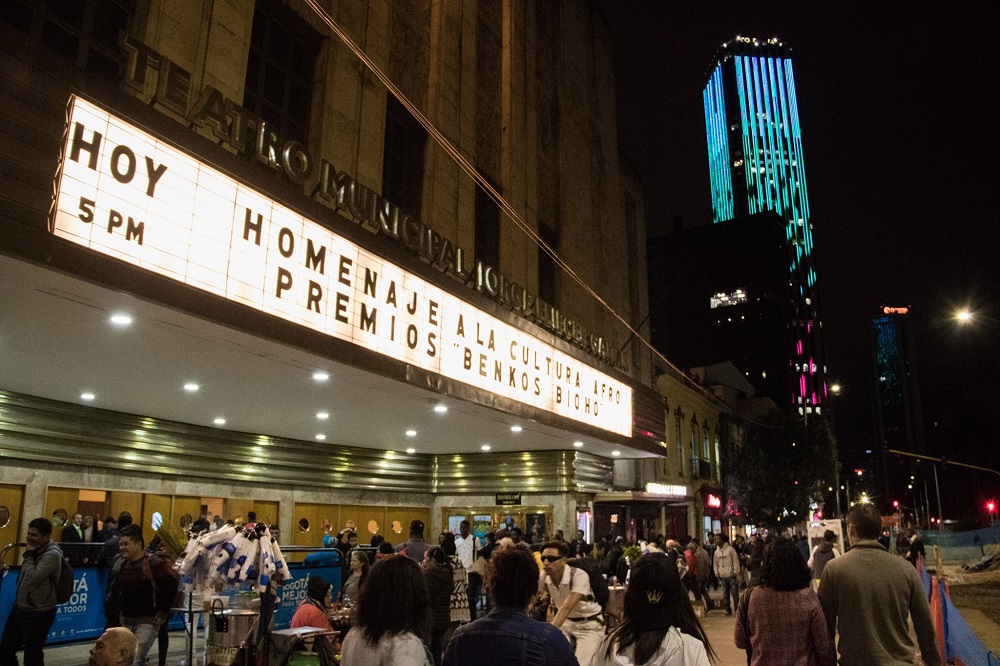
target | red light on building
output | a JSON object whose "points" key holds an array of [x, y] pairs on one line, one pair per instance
{"points": [[713, 501]]}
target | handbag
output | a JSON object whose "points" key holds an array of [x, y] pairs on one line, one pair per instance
{"points": [[743, 614], [479, 567]]}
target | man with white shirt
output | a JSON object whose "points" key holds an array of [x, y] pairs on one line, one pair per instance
{"points": [[571, 599], [465, 545]]}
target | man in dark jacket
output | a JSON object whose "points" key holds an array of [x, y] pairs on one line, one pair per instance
{"points": [[507, 635], [35, 599], [144, 588]]}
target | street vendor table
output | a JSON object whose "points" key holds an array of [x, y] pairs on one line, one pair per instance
{"points": [[191, 623]]}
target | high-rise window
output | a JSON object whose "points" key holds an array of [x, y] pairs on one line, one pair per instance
{"points": [[84, 31], [487, 241], [546, 264], [403, 158], [679, 444], [280, 69]]}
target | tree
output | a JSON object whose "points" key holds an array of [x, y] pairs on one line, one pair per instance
{"points": [[778, 469]]}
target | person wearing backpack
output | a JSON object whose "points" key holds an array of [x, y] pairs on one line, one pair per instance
{"points": [[35, 600], [821, 554], [573, 606], [144, 588]]}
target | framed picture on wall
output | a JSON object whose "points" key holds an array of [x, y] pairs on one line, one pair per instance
{"points": [[536, 530]]}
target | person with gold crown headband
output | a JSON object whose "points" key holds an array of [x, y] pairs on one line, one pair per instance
{"points": [[659, 627]]}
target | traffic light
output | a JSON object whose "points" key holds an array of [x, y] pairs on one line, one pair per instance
{"points": [[991, 506], [895, 504]]}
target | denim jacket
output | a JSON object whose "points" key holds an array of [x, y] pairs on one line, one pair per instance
{"points": [[508, 636]]}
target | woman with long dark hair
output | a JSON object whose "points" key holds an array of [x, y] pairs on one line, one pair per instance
{"points": [[658, 627], [781, 621], [359, 572], [390, 618]]}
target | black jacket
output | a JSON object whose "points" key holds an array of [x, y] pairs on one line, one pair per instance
{"points": [[438, 578]]}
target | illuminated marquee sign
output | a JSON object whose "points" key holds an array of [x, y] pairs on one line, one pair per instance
{"points": [[664, 489], [713, 501], [891, 310], [125, 194]]}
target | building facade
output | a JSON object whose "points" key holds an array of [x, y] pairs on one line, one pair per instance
{"points": [[720, 293], [898, 412], [244, 275], [756, 164]]}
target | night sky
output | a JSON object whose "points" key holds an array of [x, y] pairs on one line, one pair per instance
{"points": [[901, 150]]}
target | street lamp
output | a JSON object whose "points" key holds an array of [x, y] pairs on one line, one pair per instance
{"points": [[964, 316]]}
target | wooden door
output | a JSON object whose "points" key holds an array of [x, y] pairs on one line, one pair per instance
{"points": [[152, 504], [368, 519], [61, 502], [267, 512], [397, 520], [11, 508]]}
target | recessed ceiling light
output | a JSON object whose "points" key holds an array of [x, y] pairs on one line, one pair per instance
{"points": [[411, 450], [322, 416], [516, 428], [320, 437], [120, 319], [321, 376], [440, 409], [87, 396], [578, 444], [411, 433], [485, 447], [219, 421], [191, 386], [616, 453]]}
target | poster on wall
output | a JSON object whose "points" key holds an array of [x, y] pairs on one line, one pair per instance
{"points": [[454, 522], [536, 532], [481, 524]]}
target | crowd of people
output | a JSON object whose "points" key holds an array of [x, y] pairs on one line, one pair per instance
{"points": [[503, 600]]}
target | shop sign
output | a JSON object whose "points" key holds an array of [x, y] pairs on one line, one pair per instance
{"points": [[125, 194], [664, 489], [508, 499], [713, 501]]}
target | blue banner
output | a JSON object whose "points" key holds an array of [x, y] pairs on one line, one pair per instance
{"points": [[82, 618], [294, 591]]}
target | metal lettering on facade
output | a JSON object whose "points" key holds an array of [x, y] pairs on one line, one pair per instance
{"points": [[248, 134], [128, 195]]}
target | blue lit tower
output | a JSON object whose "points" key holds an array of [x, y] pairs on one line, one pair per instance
{"points": [[756, 164]]}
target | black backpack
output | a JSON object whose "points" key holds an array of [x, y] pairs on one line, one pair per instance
{"points": [[598, 584], [64, 586]]}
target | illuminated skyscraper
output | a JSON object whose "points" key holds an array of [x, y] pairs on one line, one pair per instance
{"points": [[756, 164]]}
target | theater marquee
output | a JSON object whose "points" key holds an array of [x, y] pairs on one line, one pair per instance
{"points": [[125, 194]]}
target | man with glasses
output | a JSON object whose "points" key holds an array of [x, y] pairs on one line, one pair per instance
{"points": [[571, 600]]}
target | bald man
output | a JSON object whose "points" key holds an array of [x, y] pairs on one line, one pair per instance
{"points": [[115, 647]]}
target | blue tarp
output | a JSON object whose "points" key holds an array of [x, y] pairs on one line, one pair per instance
{"points": [[960, 641]]}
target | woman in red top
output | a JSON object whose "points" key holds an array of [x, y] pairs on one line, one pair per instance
{"points": [[691, 577], [781, 621], [312, 611]]}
